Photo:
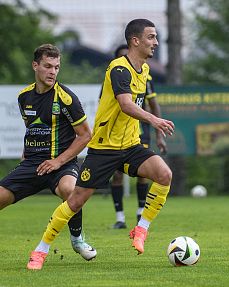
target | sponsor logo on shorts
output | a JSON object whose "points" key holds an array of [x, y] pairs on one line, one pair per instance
{"points": [[85, 175]]}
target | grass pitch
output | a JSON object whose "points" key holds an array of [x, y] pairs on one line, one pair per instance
{"points": [[204, 219]]}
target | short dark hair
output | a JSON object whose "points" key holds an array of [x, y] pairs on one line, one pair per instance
{"points": [[48, 50], [136, 27], [121, 47]]}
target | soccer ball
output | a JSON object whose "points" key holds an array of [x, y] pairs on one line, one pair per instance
{"points": [[199, 191], [183, 251]]}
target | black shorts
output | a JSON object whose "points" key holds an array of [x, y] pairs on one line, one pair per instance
{"points": [[100, 165], [23, 181]]}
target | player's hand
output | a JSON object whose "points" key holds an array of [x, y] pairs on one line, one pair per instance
{"points": [[48, 166], [163, 126]]}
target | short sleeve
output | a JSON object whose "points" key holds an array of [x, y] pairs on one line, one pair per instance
{"points": [[20, 107], [73, 111], [120, 80]]}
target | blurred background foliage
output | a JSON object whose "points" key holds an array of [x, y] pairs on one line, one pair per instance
{"points": [[209, 60], [21, 31]]}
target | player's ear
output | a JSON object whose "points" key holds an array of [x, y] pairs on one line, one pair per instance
{"points": [[34, 65], [135, 41]]}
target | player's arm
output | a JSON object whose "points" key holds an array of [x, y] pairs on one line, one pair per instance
{"points": [[83, 136], [128, 107], [120, 80]]}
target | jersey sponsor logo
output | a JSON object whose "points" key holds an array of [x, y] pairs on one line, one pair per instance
{"points": [[85, 175], [55, 109], [30, 113], [38, 128], [35, 143], [28, 106]]}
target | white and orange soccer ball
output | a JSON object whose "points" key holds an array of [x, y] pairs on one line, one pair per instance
{"points": [[183, 251]]}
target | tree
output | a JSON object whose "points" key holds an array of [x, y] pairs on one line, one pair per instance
{"points": [[208, 64], [20, 33], [174, 66], [174, 77]]}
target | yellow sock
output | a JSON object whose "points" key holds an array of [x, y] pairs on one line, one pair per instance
{"points": [[155, 200], [60, 217]]}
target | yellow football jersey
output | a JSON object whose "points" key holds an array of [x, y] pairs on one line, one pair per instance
{"points": [[114, 129]]}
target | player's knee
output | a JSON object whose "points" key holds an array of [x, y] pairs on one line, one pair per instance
{"points": [[75, 203], [165, 176], [6, 197], [77, 199], [64, 192]]}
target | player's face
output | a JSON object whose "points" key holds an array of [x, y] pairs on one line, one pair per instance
{"points": [[148, 42], [47, 70]]}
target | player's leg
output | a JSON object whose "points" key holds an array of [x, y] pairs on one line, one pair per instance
{"points": [[117, 196], [78, 242], [18, 184], [143, 162], [6, 197], [62, 182], [95, 171], [79, 245], [142, 189], [142, 183], [155, 169], [65, 187], [61, 216]]}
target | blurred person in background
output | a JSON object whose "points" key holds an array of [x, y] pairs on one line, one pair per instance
{"points": [[115, 143], [150, 104], [56, 132]]}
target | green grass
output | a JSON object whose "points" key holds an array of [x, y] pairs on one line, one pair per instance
{"points": [[205, 220]]}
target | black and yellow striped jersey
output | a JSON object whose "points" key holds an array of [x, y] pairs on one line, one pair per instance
{"points": [[49, 118], [114, 129]]}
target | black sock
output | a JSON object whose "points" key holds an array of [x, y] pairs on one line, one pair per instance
{"points": [[142, 190], [75, 224], [117, 195]]}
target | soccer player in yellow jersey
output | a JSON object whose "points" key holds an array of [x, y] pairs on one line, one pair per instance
{"points": [[115, 143], [150, 104]]}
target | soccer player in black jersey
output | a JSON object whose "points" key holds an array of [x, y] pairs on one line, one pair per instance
{"points": [[115, 142], [56, 132], [150, 103]]}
